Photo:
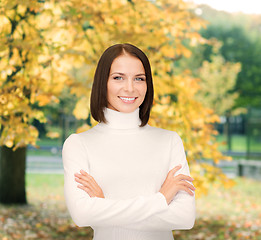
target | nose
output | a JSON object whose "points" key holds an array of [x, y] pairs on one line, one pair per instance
{"points": [[129, 85]]}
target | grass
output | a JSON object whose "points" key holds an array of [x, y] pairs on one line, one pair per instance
{"points": [[239, 143], [223, 214], [44, 185], [46, 142]]}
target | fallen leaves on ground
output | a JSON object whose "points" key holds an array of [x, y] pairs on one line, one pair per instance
{"points": [[233, 214]]}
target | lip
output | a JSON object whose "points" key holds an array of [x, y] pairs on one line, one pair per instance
{"points": [[127, 101], [127, 97]]}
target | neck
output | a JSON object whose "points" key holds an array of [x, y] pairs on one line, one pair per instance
{"points": [[120, 120]]}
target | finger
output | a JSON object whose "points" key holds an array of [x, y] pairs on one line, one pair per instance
{"points": [[188, 185], [84, 183], [78, 175], [91, 192], [183, 177], [188, 190], [174, 170], [86, 178], [94, 184], [185, 183], [83, 173], [87, 190]]}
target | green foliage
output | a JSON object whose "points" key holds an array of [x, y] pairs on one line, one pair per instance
{"points": [[241, 42], [217, 80]]}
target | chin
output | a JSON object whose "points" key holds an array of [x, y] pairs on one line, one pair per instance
{"points": [[129, 110], [126, 109]]}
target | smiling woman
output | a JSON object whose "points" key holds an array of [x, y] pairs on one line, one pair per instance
{"points": [[122, 71], [126, 87], [124, 178]]}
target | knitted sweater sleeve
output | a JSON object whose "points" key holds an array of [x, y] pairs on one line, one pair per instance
{"points": [[180, 213], [87, 211]]}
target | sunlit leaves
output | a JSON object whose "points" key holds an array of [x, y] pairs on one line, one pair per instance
{"points": [[82, 108], [50, 45], [30, 72]]}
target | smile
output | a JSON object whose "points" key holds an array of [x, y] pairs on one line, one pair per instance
{"points": [[128, 99]]}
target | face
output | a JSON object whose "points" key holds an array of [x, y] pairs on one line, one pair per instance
{"points": [[126, 86]]}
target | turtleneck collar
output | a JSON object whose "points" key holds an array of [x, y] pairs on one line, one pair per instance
{"points": [[120, 120]]}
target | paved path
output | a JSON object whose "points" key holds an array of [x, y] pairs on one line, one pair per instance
{"points": [[54, 165], [44, 164]]}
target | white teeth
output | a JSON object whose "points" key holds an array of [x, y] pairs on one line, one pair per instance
{"points": [[127, 99]]}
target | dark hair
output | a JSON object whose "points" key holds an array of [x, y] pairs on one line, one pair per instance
{"points": [[99, 88]]}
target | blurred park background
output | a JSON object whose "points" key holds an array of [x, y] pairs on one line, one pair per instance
{"points": [[206, 65]]}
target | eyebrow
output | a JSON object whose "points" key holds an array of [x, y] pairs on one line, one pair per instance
{"points": [[139, 74]]}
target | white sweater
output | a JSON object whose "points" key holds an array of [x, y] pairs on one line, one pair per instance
{"points": [[129, 163]]}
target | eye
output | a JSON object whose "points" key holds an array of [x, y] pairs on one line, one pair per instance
{"points": [[139, 79], [117, 78]]}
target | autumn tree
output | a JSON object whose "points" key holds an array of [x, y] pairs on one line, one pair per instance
{"points": [[44, 40], [32, 76]]}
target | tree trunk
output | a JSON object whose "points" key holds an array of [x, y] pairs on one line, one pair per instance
{"points": [[12, 175], [227, 131]]}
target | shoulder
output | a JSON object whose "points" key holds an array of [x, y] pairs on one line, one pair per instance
{"points": [[72, 142], [79, 138], [164, 135], [168, 137], [163, 131]]}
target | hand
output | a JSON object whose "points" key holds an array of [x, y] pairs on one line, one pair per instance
{"points": [[88, 184], [173, 184]]}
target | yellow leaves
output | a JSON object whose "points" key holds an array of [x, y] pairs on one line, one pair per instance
{"points": [[157, 108], [5, 25], [83, 128], [213, 118], [8, 143], [44, 20], [228, 183], [9, 106], [3, 99], [32, 64], [109, 21], [21, 9], [205, 175], [59, 36], [60, 46], [168, 51], [17, 134], [53, 135], [81, 110], [38, 225], [39, 115], [43, 99]]}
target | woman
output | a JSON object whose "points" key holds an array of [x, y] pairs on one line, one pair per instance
{"points": [[124, 178]]}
